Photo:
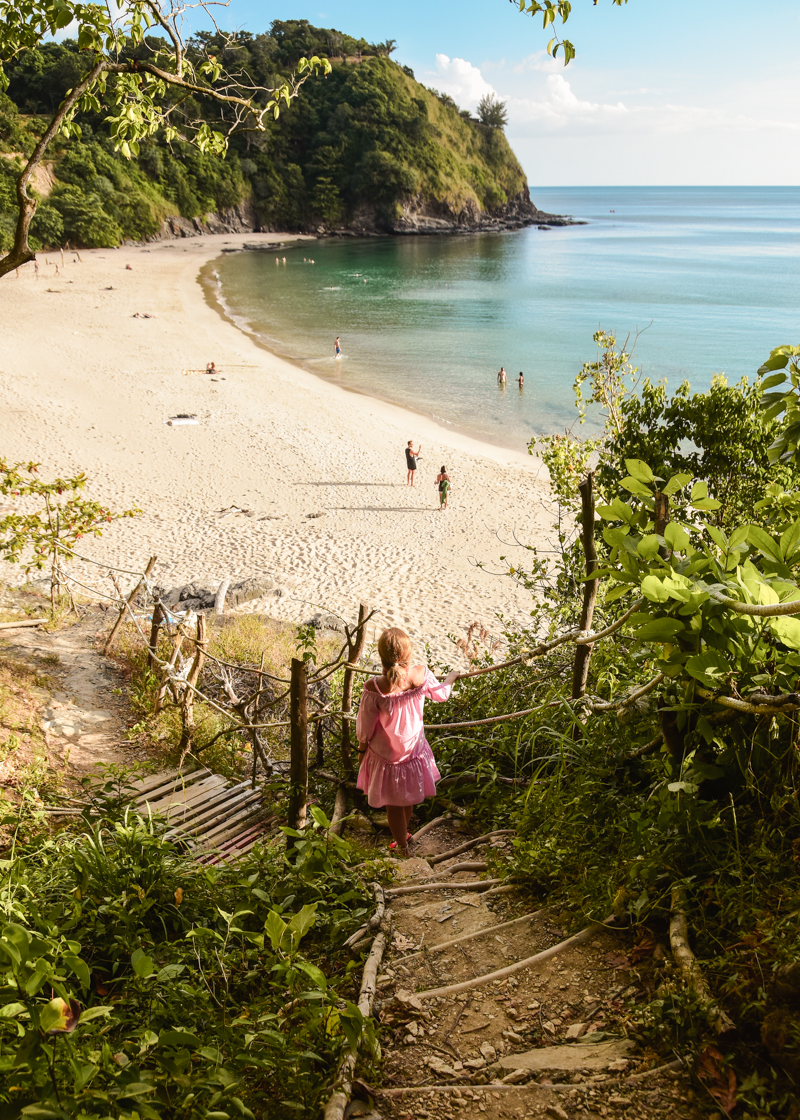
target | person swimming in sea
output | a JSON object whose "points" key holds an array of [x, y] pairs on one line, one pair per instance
{"points": [[521, 380], [443, 482]]}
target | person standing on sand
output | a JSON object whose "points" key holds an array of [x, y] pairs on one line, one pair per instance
{"points": [[397, 768], [501, 377], [337, 348], [443, 482], [411, 461]]}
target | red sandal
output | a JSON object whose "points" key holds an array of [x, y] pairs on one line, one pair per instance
{"points": [[393, 845]]}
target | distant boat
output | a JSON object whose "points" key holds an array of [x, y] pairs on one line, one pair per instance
{"points": [[612, 211]]}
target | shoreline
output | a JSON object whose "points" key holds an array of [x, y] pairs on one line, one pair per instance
{"points": [[458, 440], [315, 471]]}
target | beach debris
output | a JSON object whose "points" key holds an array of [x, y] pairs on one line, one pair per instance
{"points": [[228, 510], [143, 315], [182, 418]]}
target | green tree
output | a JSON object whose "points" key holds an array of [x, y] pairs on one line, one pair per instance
{"points": [[492, 112], [140, 86]]}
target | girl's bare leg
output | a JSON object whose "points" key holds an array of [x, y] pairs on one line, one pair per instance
{"points": [[398, 817]]}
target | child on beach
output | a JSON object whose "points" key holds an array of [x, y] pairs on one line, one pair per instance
{"points": [[397, 765], [443, 482]]}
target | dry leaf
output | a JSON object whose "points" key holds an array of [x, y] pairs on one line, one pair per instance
{"points": [[617, 960], [403, 943], [644, 947], [719, 1079]]}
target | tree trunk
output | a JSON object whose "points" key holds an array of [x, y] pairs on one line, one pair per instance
{"points": [[155, 627], [580, 671], [355, 647], [298, 766], [661, 521], [187, 704]]}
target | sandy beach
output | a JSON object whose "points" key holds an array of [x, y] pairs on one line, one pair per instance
{"points": [[86, 385]]}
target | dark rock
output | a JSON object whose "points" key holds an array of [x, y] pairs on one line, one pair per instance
{"points": [[197, 596], [323, 621]]}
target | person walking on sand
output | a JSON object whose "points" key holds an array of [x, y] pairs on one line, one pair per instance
{"points": [[337, 348], [443, 482], [411, 461], [211, 368], [521, 380], [501, 377], [397, 768]]}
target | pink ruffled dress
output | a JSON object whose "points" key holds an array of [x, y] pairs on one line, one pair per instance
{"points": [[397, 767]]}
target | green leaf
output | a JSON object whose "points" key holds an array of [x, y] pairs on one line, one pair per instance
{"points": [[790, 540], [659, 630], [764, 543], [676, 537], [787, 630], [640, 470], [710, 667], [319, 817], [303, 920], [718, 537], [316, 974], [80, 968], [682, 787], [275, 928], [676, 483], [653, 589], [634, 486], [141, 964], [11, 1010], [699, 490], [178, 1038], [772, 380], [95, 1013], [648, 546]]}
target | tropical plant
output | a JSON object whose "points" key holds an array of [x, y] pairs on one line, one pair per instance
{"points": [[492, 111], [550, 10]]}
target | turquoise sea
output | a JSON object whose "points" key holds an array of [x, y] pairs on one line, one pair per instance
{"points": [[710, 277]]}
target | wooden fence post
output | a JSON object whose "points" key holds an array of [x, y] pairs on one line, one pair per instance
{"points": [[155, 627], [187, 702], [355, 647], [580, 670], [298, 766], [126, 606]]}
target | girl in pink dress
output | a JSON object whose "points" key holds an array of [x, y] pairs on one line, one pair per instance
{"points": [[397, 765]]}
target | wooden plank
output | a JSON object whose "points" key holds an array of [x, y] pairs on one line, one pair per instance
{"points": [[144, 785], [221, 822], [228, 827], [180, 779], [174, 801], [199, 815], [217, 815], [212, 804]]}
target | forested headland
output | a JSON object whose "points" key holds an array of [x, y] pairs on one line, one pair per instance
{"points": [[367, 148]]}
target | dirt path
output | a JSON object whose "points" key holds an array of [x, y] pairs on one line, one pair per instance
{"points": [[79, 705], [548, 1041]]}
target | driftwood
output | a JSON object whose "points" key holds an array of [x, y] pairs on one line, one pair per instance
{"points": [[219, 598], [501, 973], [356, 640], [187, 700], [335, 1108], [374, 922], [126, 606], [478, 885], [467, 937], [432, 860], [647, 1073], [690, 969], [25, 622]]}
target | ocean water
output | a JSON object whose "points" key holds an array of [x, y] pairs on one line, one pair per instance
{"points": [[708, 277]]}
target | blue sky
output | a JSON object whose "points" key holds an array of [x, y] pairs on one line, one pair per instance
{"points": [[700, 92]]}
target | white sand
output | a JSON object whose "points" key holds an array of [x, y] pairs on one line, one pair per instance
{"points": [[86, 386]]}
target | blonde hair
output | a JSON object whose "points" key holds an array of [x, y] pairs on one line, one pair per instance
{"points": [[395, 649]]}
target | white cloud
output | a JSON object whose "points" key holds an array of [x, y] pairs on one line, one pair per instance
{"points": [[461, 80], [561, 108]]}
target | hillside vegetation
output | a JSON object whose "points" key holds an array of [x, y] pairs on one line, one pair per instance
{"points": [[364, 147]]}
